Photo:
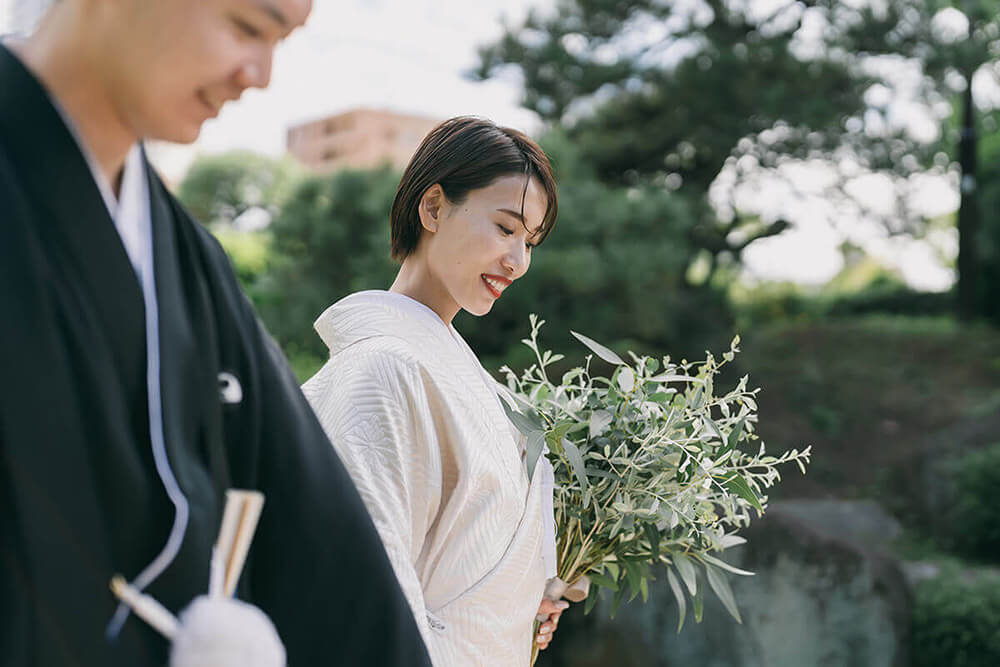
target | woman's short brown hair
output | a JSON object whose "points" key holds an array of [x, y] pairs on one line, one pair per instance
{"points": [[464, 154]]}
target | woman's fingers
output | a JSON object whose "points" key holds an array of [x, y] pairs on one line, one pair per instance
{"points": [[552, 606], [553, 609]]}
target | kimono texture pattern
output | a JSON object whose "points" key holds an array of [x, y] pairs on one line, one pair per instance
{"points": [[418, 424]]}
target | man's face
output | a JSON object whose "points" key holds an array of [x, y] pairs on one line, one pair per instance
{"points": [[170, 65]]}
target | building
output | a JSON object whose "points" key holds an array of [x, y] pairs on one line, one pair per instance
{"points": [[361, 138]]}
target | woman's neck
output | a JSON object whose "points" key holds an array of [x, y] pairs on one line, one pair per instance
{"points": [[416, 281]]}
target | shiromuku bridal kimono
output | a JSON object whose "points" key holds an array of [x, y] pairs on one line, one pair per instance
{"points": [[420, 427]]}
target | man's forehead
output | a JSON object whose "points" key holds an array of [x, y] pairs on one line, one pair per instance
{"points": [[289, 14]]}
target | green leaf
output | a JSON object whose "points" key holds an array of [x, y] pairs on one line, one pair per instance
{"points": [[634, 578], [736, 434], [685, 568], [603, 581], [653, 535], [644, 588], [739, 486], [679, 596], [720, 585], [713, 428], [672, 377], [533, 449], [599, 350], [576, 460], [617, 601], [599, 422], [525, 424], [725, 566], [699, 604], [661, 396], [591, 601], [626, 379]]}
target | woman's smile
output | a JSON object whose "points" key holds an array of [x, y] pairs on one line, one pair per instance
{"points": [[495, 284]]}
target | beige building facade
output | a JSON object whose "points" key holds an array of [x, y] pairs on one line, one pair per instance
{"points": [[360, 139]]}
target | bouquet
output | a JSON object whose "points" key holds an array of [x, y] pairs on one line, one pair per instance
{"points": [[651, 465]]}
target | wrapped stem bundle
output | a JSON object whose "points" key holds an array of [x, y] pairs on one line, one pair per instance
{"points": [[652, 466]]}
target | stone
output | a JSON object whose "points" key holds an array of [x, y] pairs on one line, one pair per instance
{"points": [[823, 595]]}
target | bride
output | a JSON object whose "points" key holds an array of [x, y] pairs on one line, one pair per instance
{"points": [[417, 420]]}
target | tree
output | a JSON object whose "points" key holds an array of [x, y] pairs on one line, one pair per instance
{"points": [[988, 280], [331, 238], [219, 189], [675, 92], [954, 43], [672, 93]]}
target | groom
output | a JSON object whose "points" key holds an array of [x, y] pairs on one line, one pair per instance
{"points": [[136, 384]]}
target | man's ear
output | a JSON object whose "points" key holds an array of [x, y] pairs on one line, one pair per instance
{"points": [[431, 208]]}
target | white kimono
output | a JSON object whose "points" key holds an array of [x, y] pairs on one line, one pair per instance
{"points": [[418, 424]]}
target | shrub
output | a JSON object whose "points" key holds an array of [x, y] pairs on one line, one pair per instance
{"points": [[976, 521], [956, 620]]}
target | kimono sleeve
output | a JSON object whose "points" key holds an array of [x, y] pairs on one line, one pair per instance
{"points": [[320, 570], [373, 403]]}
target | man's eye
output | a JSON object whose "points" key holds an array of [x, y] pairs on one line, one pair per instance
{"points": [[246, 28]]}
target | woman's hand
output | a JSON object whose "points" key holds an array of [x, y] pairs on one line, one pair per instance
{"points": [[552, 610]]}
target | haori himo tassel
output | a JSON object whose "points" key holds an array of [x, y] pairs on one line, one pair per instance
{"points": [[216, 630]]}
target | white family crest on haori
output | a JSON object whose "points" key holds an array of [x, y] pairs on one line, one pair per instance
{"points": [[418, 424]]}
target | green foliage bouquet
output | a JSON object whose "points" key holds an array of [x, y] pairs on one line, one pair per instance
{"points": [[651, 466]]}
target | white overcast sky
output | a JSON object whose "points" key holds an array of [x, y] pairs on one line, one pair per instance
{"points": [[410, 56]]}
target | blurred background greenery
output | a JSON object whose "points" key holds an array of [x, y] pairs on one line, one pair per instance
{"points": [[652, 109]]}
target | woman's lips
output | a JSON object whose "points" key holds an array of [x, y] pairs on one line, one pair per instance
{"points": [[495, 284]]}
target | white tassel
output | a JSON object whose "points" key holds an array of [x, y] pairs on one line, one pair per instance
{"points": [[216, 630], [223, 632]]}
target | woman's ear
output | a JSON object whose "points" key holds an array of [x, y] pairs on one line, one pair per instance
{"points": [[431, 207]]}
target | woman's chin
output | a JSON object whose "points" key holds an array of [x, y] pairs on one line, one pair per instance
{"points": [[479, 310]]}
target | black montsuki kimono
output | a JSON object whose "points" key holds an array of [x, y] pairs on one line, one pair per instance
{"points": [[80, 499]]}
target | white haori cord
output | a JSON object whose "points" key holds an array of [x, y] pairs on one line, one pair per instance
{"points": [[216, 630]]}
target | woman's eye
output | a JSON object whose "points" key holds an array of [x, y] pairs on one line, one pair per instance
{"points": [[506, 231]]}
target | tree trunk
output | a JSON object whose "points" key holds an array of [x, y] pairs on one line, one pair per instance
{"points": [[968, 209]]}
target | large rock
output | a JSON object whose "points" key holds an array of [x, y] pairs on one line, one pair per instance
{"points": [[818, 599]]}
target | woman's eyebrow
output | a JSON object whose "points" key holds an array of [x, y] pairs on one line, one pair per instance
{"points": [[517, 216]]}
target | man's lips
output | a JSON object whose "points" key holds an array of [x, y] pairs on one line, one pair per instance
{"points": [[495, 284], [213, 106]]}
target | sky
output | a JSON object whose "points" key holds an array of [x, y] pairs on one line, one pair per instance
{"points": [[411, 56]]}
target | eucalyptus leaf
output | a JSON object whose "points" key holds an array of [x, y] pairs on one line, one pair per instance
{"points": [[679, 596], [576, 460], [708, 558], [626, 379], [739, 486], [720, 585], [599, 350], [634, 578], [533, 449], [685, 568], [603, 581], [699, 604], [736, 434], [599, 422]]}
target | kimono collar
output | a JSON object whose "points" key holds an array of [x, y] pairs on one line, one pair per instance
{"points": [[379, 313]]}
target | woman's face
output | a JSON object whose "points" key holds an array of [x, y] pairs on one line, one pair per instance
{"points": [[475, 250]]}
